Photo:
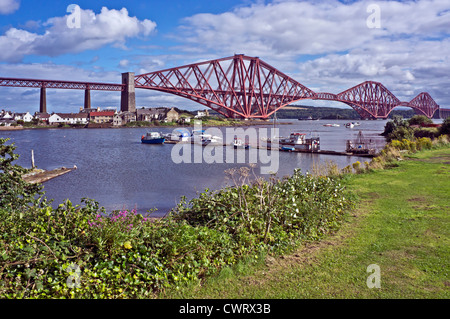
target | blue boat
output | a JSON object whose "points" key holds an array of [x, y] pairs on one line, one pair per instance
{"points": [[153, 138], [287, 148]]}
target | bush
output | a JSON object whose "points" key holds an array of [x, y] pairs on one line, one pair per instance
{"points": [[14, 191], [83, 252], [357, 166], [401, 133], [430, 132], [445, 127], [424, 143], [419, 120]]}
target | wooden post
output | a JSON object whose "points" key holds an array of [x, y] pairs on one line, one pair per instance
{"points": [[32, 159]]}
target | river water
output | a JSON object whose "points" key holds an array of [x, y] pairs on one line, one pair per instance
{"points": [[118, 171]]}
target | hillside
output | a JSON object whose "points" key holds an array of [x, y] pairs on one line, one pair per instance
{"points": [[326, 113]]}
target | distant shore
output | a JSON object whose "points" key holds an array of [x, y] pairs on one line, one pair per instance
{"points": [[140, 125]]}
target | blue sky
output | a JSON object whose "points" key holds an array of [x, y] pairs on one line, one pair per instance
{"points": [[328, 46]]}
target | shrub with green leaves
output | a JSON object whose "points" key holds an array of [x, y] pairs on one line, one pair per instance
{"points": [[83, 252], [273, 213], [14, 191]]}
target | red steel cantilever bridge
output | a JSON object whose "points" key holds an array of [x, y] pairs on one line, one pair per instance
{"points": [[239, 86]]}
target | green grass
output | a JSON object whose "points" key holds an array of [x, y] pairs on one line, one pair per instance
{"points": [[401, 224]]}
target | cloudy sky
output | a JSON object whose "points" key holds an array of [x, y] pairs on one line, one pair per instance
{"points": [[328, 46]]}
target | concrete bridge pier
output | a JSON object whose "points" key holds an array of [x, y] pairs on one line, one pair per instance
{"points": [[128, 97], [43, 101], [87, 98], [444, 113]]}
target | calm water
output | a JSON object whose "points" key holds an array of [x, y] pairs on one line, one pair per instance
{"points": [[119, 172]]}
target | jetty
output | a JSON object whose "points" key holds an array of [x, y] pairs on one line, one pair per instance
{"points": [[325, 152], [36, 175]]}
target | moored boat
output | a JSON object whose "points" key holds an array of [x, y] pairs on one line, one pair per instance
{"points": [[360, 146], [238, 143], [153, 138], [298, 142], [349, 125]]}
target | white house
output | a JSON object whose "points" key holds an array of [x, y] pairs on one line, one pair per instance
{"points": [[26, 117], [55, 118], [80, 118], [68, 118], [5, 115], [201, 114]]}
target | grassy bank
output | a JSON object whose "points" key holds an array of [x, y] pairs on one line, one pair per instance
{"points": [[401, 224]]}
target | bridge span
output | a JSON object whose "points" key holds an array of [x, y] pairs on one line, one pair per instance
{"points": [[238, 86]]}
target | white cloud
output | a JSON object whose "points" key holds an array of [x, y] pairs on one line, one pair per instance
{"points": [[109, 27], [294, 27], [9, 6], [124, 63], [328, 46]]}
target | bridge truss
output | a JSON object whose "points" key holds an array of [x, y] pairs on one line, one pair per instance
{"points": [[238, 86], [242, 86]]}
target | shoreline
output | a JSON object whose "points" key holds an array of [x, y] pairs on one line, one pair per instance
{"points": [[108, 126]]}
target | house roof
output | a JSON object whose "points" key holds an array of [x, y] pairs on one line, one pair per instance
{"points": [[102, 113], [42, 115], [152, 111], [72, 115]]}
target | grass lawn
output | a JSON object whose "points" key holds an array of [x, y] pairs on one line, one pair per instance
{"points": [[401, 225]]}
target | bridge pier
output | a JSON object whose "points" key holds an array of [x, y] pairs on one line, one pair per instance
{"points": [[128, 97], [444, 113], [43, 101], [87, 98]]}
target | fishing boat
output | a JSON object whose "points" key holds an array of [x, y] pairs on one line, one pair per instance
{"points": [[178, 135], [213, 140], [309, 118], [203, 138], [360, 146], [349, 125], [238, 143], [153, 138], [297, 142]]}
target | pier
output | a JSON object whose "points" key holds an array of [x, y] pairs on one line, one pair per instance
{"points": [[325, 152], [40, 176]]}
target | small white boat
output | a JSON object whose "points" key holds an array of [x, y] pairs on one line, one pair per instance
{"points": [[349, 125], [179, 135], [205, 139], [238, 143]]}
